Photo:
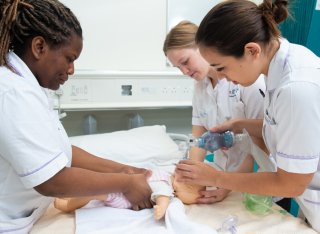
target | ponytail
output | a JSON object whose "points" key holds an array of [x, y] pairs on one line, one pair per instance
{"points": [[230, 25]]}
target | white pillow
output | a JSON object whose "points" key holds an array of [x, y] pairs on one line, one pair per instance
{"points": [[149, 146]]}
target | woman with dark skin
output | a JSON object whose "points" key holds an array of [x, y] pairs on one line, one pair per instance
{"points": [[39, 42]]}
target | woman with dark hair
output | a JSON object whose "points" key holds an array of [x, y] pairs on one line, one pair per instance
{"points": [[241, 41], [39, 42], [215, 100]]}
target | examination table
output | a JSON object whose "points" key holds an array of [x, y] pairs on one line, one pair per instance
{"points": [[151, 147]]}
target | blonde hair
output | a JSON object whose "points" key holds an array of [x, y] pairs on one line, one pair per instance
{"points": [[181, 36]]}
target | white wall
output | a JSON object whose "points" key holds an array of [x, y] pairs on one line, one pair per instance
{"points": [[192, 10], [121, 34], [128, 35]]}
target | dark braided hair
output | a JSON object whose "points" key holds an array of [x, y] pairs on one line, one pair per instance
{"points": [[22, 20]]}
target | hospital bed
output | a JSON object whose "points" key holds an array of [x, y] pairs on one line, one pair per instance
{"points": [[151, 147]]}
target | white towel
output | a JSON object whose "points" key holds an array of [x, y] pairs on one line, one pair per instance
{"points": [[109, 220]]}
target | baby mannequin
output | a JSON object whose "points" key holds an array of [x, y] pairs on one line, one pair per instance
{"points": [[161, 184]]}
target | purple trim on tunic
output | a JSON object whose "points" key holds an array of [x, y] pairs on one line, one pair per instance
{"points": [[312, 202], [38, 169], [286, 58], [300, 157]]}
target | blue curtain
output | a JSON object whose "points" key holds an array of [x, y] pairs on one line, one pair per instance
{"points": [[313, 42], [296, 28]]}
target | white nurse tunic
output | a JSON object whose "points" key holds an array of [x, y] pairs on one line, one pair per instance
{"points": [[292, 119], [213, 106], [33, 147]]}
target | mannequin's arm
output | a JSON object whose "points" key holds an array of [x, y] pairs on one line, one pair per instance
{"points": [[162, 203], [196, 153]]}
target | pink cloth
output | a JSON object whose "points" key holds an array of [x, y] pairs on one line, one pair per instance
{"points": [[118, 200], [159, 175]]}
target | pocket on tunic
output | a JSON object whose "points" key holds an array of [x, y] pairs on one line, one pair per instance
{"points": [[208, 117], [237, 110]]}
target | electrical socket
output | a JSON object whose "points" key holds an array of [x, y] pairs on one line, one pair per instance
{"points": [[164, 90], [105, 92], [187, 90], [176, 90], [173, 90]]}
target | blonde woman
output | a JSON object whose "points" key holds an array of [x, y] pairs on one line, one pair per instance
{"points": [[215, 101]]}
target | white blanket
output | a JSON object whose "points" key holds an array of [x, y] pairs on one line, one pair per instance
{"points": [[161, 151], [212, 215], [156, 150], [118, 221]]}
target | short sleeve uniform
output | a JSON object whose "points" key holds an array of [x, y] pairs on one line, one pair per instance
{"points": [[213, 106], [292, 119], [33, 147]]}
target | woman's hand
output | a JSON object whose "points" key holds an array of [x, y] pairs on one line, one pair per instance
{"points": [[253, 126], [212, 196], [195, 172], [138, 191], [135, 170], [230, 125]]}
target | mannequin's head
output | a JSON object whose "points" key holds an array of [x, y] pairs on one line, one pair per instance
{"points": [[187, 193]]}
